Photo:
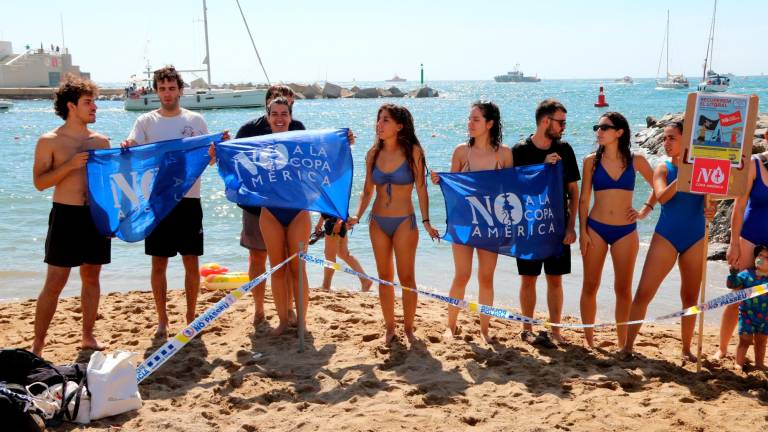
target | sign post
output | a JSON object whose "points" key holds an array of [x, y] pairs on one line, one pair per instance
{"points": [[717, 145]]}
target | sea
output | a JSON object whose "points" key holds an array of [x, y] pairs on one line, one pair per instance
{"points": [[440, 125]]}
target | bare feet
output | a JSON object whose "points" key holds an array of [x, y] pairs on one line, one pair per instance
{"points": [[37, 348], [411, 336], [718, 356], [625, 355], [279, 330], [292, 320], [367, 284], [449, 335], [558, 338], [689, 357], [90, 342], [190, 317], [258, 318], [487, 338], [162, 331], [388, 336]]}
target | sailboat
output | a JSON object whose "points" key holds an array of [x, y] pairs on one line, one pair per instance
{"points": [[144, 98], [672, 81], [712, 81]]}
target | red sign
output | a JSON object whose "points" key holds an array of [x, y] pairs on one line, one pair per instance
{"points": [[730, 119], [710, 176]]}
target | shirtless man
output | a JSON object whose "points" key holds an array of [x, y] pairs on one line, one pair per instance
{"points": [[72, 241]]}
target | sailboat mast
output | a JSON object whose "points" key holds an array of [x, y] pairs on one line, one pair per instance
{"points": [[667, 43], [207, 51], [710, 42]]}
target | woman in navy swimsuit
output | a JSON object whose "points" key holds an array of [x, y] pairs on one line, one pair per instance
{"points": [[611, 222], [482, 151], [749, 227], [394, 165], [679, 237], [282, 230]]}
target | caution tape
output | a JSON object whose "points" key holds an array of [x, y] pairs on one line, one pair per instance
{"points": [[716, 303], [171, 347]]}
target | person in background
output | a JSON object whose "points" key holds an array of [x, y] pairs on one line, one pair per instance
{"points": [[337, 244]]}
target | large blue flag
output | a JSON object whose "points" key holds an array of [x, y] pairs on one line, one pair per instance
{"points": [[515, 211], [309, 170], [131, 190]]}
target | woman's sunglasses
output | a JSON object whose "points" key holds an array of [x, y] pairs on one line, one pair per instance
{"points": [[604, 127]]}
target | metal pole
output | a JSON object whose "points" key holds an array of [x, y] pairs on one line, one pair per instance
{"points": [[702, 292], [207, 51], [300, 299], [422, 74]]}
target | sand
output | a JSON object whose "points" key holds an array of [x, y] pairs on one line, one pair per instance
{"points": [[237, 378]]}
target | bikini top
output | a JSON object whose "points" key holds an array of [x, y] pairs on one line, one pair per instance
{"points": [[465, 167], [400, 176], [601, 180]]}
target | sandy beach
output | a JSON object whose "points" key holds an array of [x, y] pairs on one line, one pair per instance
{"points": [[237, 378]]}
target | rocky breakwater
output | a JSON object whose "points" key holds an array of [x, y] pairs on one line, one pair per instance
{"points": [[651, 139], [333, 91]]}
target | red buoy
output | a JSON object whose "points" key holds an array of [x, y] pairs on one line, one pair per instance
{"points": [[601, 99]]}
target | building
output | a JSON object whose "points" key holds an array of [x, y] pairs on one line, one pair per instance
{"points": [[35, 67]]}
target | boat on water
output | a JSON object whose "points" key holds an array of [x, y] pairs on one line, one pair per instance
{"points": [[516, 76], [625, 80], [143, 98], [712, 81], [5, 105], [673, 81], [397, 79]]}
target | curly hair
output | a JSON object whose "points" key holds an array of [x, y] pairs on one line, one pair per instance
{"points": [[72, 88], [490, 112], [621, 123], [168, 73], [406, 137]]}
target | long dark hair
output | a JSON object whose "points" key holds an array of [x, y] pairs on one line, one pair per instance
{"points": [[621, 123], [490, 113], [406, 137]]}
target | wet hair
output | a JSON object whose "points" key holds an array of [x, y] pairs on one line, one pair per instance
{"points": [[547, 107], [406, 137], [71, 90], [168, 73], [279, 101], [621, 123], [677, 124], [490, 113], [277, 90], [759, 249]]}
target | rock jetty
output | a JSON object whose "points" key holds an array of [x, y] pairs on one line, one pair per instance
{"points": [[651, 139]]}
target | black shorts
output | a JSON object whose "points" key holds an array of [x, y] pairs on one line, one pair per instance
{"points": [[553, 266], [180, 232], [250, 236], [328, 227], [73, 239]]}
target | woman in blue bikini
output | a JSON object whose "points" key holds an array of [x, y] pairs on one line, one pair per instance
{"points": [[394, 166], [679, 237], [483, 150], [611, 223], [749, 227], [282, 230]]}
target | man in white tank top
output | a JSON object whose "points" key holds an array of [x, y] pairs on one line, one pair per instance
{"points": [[182, 230]]}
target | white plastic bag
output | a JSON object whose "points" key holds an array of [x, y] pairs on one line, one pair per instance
{"points": [[83, 410], [112, 383]]}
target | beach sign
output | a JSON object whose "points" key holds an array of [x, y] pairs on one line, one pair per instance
{"points": [[710, 176], [718, 128]]}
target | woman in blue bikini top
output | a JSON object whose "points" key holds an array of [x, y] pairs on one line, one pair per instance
{"points": [[483, 150], [394, 165], [611, 225], [679, 237]]}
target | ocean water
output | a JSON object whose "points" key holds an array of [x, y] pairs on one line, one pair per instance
{"points": [[440, 125]]}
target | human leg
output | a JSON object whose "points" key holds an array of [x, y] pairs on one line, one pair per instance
{"points": [[760, 342], [624, 255], [47, 302], [344, 254], [298, 232], [383, 254], [690, 263], [191, 284], [741, 350], [160, 293], [404, 243], [486, 267], [592, 261], [275, 240], [462, 264], [257, 265], [89, 303], [331, 251]]}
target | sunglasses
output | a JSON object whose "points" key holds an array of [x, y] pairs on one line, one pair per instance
{"points": [[562, 122], [604, 127]]}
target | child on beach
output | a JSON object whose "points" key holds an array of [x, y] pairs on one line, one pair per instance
{"points": [[753, 313], [337, 244]]}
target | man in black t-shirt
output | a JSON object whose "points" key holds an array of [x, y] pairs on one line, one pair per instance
{"points": [[250, 237], [545, 146]]}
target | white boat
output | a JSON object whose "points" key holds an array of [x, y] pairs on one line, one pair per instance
{"points": [[5, 105], [672, 81], [145, 99], [625, 80], [712, 81]]}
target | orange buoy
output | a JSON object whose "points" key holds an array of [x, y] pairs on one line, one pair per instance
{"points": [[601, 99]]}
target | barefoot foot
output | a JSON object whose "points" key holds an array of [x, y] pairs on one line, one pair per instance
{"points": [[279, 330], [389, 336], [90, 342]]}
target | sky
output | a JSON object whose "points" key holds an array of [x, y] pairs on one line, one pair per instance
{"points": [[341, 41]]}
